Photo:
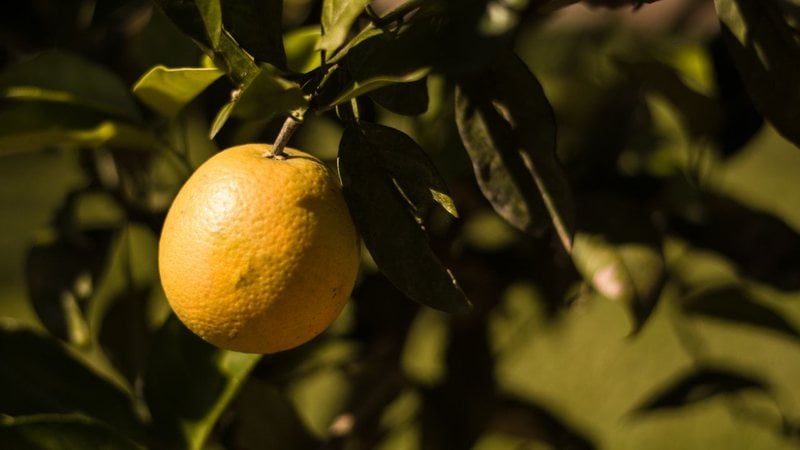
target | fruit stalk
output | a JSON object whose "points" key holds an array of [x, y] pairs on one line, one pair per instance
{"points": [[287, 130]]}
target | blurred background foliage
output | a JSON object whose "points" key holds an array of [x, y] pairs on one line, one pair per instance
{"points": [[672, 168]]}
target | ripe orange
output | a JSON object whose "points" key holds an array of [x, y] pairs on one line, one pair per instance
{"points": [[258, 254]]}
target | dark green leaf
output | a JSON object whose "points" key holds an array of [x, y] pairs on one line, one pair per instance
{"points": [[409, 166], [168, 91], [733, 303], [188, 385], [700, 385], [337, 18], [256, 26], [269, 95], [393, 236], [60, 277], [618, 253], [508, 128], [64, 78], [39, 376], [187, 16], [61, 432], [231, 58], [111, 134], [409, 99], [764, 39]]}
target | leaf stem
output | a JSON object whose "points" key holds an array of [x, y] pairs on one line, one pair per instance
{"points": [[291, 125]]}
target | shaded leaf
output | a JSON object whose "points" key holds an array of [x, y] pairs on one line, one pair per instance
{"points": [[110, 134], [618, 253], [221, 118], [409, 166], [60, 277], [256, 26], [733, 303], [535, 421], [187, 16], [211, 15], [61, 432], [168, 91], [39, 376], [509, 131], [409, 99], [188, 385], [391, 233], [700, 385], [65, 78], [765, 43], [337, 18]]}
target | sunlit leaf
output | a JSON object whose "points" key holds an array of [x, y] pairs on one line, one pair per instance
{"points": [[256, 26], [508, 128], [61, 432], [765, 43], [65, 78], [391, 233], [168, 90], [699, 385], [734, 304], [39, 376], [189, 384], [337, 18], [301, 49]]}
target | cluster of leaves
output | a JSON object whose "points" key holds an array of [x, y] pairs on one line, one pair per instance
{"points": [[130, 376]]}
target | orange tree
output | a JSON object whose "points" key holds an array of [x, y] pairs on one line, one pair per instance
{"points": [[580, 222]]}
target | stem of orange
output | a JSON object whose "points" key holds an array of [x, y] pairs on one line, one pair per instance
{"points": [[287, 130]]}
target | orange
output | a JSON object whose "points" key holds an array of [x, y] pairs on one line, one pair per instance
{"points": [[259, 254]]}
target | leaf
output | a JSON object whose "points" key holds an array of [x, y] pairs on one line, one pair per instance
{"points": [[39, 376], [764, 40], [338, 16], [61, 432], [221, 118], [409, 166], [211, 14], [618, 253], [302, 50], [393, 236], [189, 384], [509, 131], [700, 385], [256, 26], [65, 78], [167, 91], [61, 275], [410, 99], [29, 126], [378, 60], [735, 304]]}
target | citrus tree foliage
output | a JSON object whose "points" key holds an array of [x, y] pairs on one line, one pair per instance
{"points": [[577, 236]]}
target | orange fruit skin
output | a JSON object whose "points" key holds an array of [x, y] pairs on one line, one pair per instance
{"points": [[259, 254]]}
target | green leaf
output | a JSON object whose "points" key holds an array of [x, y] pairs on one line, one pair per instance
{"points": [[338, 16], [39, 376], [189, 384], [302, 50], [509, 131], [268, 95], [34, 126], [735, 304], [168, 91], [61, 275], [410, 168], [65, 78], [390, 231], [410, 99], [618, 253], [61, 432], [256, 26], [211, 14], [377, 61], [764, 39], [699, 385]]}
